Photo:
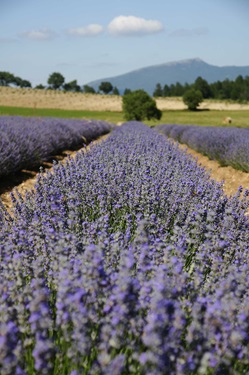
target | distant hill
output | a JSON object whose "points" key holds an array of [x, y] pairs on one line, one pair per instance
{"points": [[184, 71]]}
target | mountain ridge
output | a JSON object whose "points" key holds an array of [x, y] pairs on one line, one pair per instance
{"points": [[182, 71]]}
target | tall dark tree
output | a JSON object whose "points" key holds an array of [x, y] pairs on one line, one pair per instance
{"points": [[216, 88], [226, 89], [158, 91], [179, 89], [166, 90], [127, 91], [245, 92], [238, 88], [203, 86], [56, 80], [115, 91]]}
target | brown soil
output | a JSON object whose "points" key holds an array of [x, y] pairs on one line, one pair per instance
{"points": [[231, 177]]}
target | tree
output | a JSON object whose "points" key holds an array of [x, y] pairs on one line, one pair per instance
{"points": [[238, 88], [138, 105], [115, 91], [40, 87], [21, 82], [6, 78], [158, 91], [72, 86], [226, 89], [106, 87], [192, 98], [245, 92], [127, 91], [177, 89], [216, 88], [166, 90], [26, 83], [203, 86], [56, 80], [88, 89]]}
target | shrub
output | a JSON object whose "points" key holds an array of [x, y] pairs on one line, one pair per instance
{"points": [[138, 105], [192, 98]]}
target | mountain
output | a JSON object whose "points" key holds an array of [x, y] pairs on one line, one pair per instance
{"points": [[183, 71]]}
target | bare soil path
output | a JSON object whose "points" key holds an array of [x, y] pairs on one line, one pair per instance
{"points": [[231, 177]]}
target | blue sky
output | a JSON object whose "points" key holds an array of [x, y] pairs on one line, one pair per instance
{"points": [[94, 39]]}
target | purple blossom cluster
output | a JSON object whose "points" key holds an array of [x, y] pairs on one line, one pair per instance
{"points": [[27, 141], [128, 259], [227, 145]]}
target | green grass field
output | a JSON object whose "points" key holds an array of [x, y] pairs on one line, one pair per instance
{"points": [[240, 118], [109, 116]]}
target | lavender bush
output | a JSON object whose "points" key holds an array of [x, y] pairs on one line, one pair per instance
{"points": [[229, 146], [27, 141], [129, 259]]}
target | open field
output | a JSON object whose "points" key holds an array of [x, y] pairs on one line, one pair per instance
{"points": [[207, 118], [113, 117], [33, 98], [51, 103]]}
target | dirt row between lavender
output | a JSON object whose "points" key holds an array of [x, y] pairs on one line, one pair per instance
{"points": [[231, 177]]}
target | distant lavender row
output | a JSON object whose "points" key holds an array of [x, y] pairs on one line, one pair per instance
{"points": [[229, 146], [27, 141], [127, 260]]}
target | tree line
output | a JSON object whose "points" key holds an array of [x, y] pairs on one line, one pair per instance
{"points": [[235, 90], [56, 81], [227, 89], [7, 79]]}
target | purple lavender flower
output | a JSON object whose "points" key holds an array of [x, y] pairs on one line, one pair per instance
{"points": [[127, 259]]}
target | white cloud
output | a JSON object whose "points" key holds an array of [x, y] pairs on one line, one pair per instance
{"points": [[44, 34], [131, 25], [89, 30], [189, 32]]}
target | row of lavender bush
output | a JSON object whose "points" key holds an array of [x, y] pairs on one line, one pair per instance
{"points": [[129, 259], [229, 146], [27, 141]]}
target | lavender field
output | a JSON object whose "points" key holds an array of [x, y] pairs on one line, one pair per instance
{"points": [[128, 259], [229, 146], [27, 141]]}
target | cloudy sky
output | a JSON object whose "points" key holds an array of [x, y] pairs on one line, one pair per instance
{"points": [[94, 39]]}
